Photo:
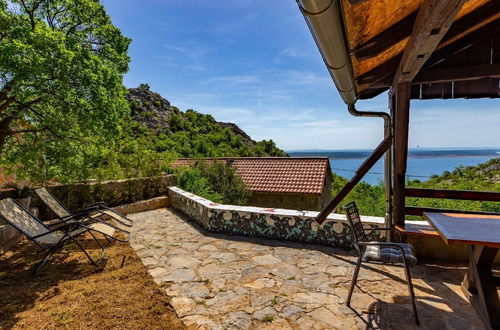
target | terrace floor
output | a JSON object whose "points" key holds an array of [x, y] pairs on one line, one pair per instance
{"points": [[218, 281]]}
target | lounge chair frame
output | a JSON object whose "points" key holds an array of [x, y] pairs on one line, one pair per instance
{"points": [[87, 213], [69, 236]]}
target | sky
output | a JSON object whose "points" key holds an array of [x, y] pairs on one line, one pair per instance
{"points": [[254, 63]]}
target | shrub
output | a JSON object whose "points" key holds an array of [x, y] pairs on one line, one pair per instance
{"points": [[217, 182]]}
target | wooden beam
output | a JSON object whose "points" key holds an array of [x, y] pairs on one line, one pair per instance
{"points": [[400, 108], [471, 72], [403, 29], [419, 210], [454, 194], [387, 38], [382, 75], [360, 173], [433, 21]]}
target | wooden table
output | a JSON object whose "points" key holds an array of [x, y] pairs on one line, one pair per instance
{"points": [[482, 234]]}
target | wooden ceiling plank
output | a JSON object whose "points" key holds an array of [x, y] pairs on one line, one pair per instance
{"points": [[433, 21], [403, 29], [387, 38]]}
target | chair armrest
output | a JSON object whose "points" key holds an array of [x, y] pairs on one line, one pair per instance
{"points": [[74, 217], [87, 209]]}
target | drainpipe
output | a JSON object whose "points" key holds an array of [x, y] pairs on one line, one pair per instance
{"points": [[324, 19], [387, 159]]}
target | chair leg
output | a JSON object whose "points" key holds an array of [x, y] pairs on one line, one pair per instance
{"points": [[412, 294], [92, 261], [44, 260], [354, 280]]}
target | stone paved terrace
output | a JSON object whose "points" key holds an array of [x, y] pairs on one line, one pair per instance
{"points": [[227, 282]]}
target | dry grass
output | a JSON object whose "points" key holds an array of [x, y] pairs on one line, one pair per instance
{"points": [[70, 293]]}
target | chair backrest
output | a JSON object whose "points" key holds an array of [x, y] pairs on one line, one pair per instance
{"points": [[52, 203], [355, 222], [21, 219]]}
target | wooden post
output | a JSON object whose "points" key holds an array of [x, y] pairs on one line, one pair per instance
{"points": [[400, 107]]}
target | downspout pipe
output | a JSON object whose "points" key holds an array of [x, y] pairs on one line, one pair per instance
{"points": [[387, 159], [325, 21]]}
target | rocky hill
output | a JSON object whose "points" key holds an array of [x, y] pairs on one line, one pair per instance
{"points": [[155, 112], [213, 138]]}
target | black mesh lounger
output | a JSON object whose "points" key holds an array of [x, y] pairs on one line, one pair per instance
{"points": [[389, 253], [51, 240], [97, 212]]}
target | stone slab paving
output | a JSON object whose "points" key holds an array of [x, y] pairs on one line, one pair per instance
{"points": [[218, 281]]}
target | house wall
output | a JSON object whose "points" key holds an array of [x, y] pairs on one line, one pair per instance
{"points": [[312, 202], [326, 195], [285, 201]]}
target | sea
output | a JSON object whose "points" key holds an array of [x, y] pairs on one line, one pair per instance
{"points": [[422, 162]]}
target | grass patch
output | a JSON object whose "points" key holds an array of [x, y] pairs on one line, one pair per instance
{"points": [[70, 293], [267, 318], [291, 278]]}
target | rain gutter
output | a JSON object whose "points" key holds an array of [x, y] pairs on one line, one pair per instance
{"points": [[324, 19]]}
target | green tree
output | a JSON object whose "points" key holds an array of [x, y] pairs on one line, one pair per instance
{"points": [[61, 69], [217, 182]]}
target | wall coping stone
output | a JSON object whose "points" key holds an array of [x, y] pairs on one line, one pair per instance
{"points": [[274, 211]]}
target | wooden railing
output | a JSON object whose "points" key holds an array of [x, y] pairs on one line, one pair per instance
{"points": [[489, 196]]}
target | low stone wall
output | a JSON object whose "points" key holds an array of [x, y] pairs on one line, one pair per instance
{"points": [[113, 193], [279, 224]]}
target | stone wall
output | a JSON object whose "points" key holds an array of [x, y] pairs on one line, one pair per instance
{"points": [[113, 193], [280, 224]]}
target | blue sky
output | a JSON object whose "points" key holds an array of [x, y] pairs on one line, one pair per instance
{"points": [[255, 63]]}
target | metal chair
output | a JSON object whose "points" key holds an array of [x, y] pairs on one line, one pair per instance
{"points": [[98, 212], [47, 239], [390, 253]]}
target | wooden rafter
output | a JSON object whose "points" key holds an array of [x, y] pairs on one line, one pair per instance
{"points": [[403, 29], [380, 78], [471, 72], [433, 21]]}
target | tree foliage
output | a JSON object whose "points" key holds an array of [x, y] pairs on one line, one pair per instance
{"points": [[485, 177], [61, 69], [217, 182]]}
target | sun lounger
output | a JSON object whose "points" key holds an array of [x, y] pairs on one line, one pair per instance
{"points": [[51, 240], [96, 212]]}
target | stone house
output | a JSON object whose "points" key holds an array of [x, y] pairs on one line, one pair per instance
{"points": [[299, 183]]}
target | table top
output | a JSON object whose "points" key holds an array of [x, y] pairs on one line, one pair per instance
{"points": [[465, 228]]}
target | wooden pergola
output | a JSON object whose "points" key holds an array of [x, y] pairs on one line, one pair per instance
{"points": [[415, 49]]}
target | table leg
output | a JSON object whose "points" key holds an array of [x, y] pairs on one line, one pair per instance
{"points": [[480, 282]]}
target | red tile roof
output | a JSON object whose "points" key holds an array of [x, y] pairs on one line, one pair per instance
{"points": [[295, 175]]}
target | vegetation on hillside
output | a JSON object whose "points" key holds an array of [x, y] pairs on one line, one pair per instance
{"points": [[217, 182], [485, 177]]}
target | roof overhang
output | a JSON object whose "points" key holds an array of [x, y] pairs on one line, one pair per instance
{"points": [[446, 48]]}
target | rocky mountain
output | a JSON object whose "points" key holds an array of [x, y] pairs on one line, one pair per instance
{"points": [[154, 111]]}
